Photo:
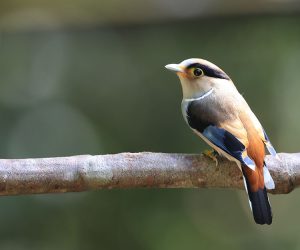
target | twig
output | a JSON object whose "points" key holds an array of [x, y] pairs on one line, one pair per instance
{"points": [[135, 170]]}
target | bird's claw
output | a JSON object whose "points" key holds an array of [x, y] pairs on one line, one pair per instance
{"points": [[212, 154]]}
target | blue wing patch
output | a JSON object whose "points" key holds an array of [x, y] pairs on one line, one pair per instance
{"points": [[228, 143], [225, 140], [269, 145]]}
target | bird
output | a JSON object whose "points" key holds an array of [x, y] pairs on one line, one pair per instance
{"points": [[216, 111]]}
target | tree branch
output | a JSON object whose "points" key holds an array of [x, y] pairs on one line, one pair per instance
{"points": [[134, 170]]}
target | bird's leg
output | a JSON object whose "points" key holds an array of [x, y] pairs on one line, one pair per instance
{"points": [[212, 154]]}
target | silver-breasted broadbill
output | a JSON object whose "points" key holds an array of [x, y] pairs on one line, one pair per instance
{"points": [[218, 113]]}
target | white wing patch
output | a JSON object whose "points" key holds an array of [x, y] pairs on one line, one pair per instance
{"points": [[245, 183], [270, 148], [269, 183], [249, 163]]}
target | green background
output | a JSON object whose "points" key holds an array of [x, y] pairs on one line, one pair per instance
{"points": [[104, 89]]}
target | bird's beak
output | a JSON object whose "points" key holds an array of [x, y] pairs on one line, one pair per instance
{"points": [[174, 67]]}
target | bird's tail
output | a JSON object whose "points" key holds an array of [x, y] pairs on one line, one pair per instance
{"points": [[259, 202]]}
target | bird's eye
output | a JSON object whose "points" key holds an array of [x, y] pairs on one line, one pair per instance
{"points": [[198, 72]]}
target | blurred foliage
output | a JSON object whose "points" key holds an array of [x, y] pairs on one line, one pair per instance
{"points": [[105, 90]]}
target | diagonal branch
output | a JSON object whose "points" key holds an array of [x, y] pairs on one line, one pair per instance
{"points": [[134, 170]]}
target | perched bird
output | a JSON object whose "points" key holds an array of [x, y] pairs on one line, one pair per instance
{"points": [[218, 113]]}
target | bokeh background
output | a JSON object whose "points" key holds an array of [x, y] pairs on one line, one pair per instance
{"points": [[88, 77]]}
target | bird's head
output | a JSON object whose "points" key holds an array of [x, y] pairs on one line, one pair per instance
{"points": [[198, 76]]}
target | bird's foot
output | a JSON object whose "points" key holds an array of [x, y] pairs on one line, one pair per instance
{"points": [[212, 154]]}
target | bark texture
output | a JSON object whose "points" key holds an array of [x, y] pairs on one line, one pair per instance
{"points": [[136, 170]]}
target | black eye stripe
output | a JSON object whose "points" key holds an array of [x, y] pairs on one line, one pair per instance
{"points": [[208, 71]]}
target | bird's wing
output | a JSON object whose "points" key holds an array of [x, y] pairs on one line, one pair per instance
{"points": [[235, 133], [231, 137], [261, 132], [268, 144], [239, 140], [244, 144], [256, 149]]}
